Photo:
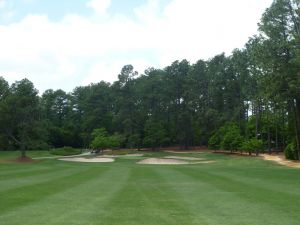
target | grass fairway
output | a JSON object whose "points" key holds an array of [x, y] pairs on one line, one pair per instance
{"points": [[232, 191]]}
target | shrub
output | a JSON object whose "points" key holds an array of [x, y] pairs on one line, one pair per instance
{"points": [[227, 137], [291, 151], [232, 140], [230, 137], [65, 151], [115, 141], [214, 141], [101, 140], [252, 145]]}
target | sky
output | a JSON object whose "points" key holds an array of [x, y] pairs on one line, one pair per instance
{"points": [[62, 44]]}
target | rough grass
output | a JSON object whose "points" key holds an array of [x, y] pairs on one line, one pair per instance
{"points": [[232, 191]]}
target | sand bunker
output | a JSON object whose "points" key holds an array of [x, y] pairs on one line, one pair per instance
{"points": [[80, 159], [183, 158], [171, 161], [162, 161], [280, 159]]}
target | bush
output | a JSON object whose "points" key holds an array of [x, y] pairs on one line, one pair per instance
{"points": [[232, 140], [230, 137], [65, 151], [100, 140], [214, 141], [291, 151], [227, 137], [115, 141], [252, 145]]}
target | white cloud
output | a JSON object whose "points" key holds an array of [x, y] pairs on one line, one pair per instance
{"points": [[2, 4], [78, 50], [100, 6]]}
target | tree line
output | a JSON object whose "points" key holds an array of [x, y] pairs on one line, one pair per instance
{"points": [[249, 100]]}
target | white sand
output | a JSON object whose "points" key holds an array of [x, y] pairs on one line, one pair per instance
{"points": [[172, 161], [162, 161], [80, 159]]}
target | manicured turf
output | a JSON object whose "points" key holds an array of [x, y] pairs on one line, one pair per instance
{"points": [[232, 191]]}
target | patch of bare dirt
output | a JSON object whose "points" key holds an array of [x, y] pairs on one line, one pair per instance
{"points": [[91, 160], [238, 154], [24, 160], [280, 159]]}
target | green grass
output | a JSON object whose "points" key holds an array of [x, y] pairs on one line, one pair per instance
{"points": [[65, 151], [232, 191]]}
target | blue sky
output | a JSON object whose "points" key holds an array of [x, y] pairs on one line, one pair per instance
{"points": [[57, 9], [68, 43]]}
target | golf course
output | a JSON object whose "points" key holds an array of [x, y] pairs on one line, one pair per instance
{"points": [[213, 189]]}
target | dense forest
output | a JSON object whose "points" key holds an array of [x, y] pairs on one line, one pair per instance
{"points": [[247, 101]]}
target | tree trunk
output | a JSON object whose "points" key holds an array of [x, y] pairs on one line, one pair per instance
{"points": [[269, 141], [283, 125], [257, 116], [276, 144], [296, 125], [23, 151]]}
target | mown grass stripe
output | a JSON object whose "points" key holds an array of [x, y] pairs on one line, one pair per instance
{"points": [[80, 204], [147, 199], [221, 194], [28, 194], [34, 179]]}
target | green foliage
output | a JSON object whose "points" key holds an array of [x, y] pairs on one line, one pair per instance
{"points": [[183, 104], [214, 141], [228, 137], [134, 141], [155, 134], [65, 151], [291, 152], [252, 145], [20, 114], [115, 141], [232, 139], [101, 140]]}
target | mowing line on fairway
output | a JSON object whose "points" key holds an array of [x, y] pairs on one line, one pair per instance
{"points": [[35, 171], [35, 179], [28, 194], [147, 199], [235, 201], [86, 202]]}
